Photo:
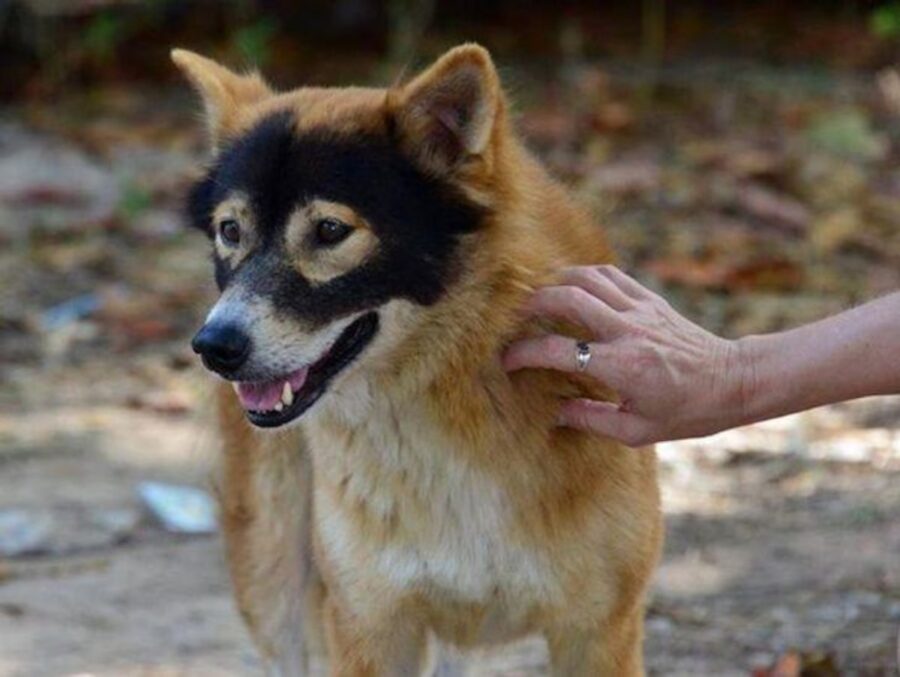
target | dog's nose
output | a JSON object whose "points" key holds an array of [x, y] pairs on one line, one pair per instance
{"points": [[223, 347]]}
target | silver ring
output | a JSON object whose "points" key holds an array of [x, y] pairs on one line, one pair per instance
{"points": [[582, 355]]}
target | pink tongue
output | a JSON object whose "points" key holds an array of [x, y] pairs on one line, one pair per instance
{"points": [[264, 395]]}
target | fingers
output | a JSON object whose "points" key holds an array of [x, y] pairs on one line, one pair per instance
{"points": [[577, 306], [625, 282], [599, 285], [558, 352], [605, 418], [593, 297], [544, 352], [613, 278]]}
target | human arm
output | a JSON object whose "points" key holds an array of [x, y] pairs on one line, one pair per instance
{"points": [[677, 380], [853, 354]]}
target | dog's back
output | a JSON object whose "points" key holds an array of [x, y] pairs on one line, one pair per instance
{"points": [[426, 491]]}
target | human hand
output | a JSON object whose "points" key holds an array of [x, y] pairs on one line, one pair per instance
{"points": [[674, 379]]}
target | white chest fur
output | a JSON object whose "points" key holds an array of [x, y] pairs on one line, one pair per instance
{"points": [[450, 526]]}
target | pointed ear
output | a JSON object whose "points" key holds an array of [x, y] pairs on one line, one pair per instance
{"points": [[447, 114], [224, 92]]}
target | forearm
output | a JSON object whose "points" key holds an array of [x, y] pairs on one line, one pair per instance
{"points": [[850, 355]]}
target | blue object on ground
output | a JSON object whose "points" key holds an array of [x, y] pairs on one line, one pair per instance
{"points": [[70, 311], [180, 509], [22, 532]]}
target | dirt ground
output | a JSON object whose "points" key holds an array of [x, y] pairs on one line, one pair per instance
{"points": [[796, 546], [782, 537]]}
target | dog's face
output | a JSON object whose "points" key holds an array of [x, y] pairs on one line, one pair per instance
{"points": [[328, 209]]}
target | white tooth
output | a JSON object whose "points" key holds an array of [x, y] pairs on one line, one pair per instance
{"points": [[287, 395], [237, 388], [279, 406]]}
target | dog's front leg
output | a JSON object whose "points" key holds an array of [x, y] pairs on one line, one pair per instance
{"points": [[610, 649], [397, 648], [265, 490]]}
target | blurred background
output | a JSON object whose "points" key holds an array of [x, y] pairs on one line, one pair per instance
{"points": [[743, 156]]}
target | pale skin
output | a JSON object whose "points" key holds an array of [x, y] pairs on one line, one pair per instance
{"points": [[676, 380]]}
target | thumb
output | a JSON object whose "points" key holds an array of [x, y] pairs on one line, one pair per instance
{"points": [[607, 419]]}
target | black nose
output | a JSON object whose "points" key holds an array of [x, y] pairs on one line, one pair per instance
{"points": [[223, 347]]}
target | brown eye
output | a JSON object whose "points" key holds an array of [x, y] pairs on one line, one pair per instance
{"points": [[331, 231], [230, 231]]}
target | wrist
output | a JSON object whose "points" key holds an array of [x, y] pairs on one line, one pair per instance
{"points": [[746, 379], [725, 398]]}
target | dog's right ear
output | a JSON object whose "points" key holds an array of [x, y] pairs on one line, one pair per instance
{"points": [[225, 93]]}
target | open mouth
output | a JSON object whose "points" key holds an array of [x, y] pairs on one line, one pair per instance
{"points": [[270, 404]]}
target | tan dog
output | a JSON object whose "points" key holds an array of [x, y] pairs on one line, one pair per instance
{"points": [[373, 248]]}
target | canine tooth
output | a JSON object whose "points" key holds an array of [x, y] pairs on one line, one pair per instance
{"points": [[279, 406], [287, 395]]}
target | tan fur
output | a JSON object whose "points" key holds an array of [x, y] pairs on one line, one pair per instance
{"points": [[235, 207], [444, 497], [321, 265], [225, 94]]}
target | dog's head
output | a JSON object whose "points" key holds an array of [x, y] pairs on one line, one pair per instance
{"points": [[335, 215]]}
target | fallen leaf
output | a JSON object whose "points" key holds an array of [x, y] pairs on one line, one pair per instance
{"points": [[773, 208], [628, 177], [756, 275], [889, 86], [764, 275], [688, 272], [161, 402], [788, 665], [141, 330], [848, 134], [753, 162], [548, 125], [835, 230], [612, 117], [39, 196], [801, 664]]}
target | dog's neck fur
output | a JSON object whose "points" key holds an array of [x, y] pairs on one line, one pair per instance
{"points": [[448, 369], [441, 451]]}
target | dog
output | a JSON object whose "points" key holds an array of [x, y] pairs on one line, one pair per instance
{"points": [[385, 485]]}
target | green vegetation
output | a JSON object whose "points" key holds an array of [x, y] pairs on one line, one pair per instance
{"points": [[884, 21], [254, 42], [104, 34]]}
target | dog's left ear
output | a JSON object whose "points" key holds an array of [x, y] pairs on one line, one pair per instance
{"points": [[225, 93], [447, 114]]}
